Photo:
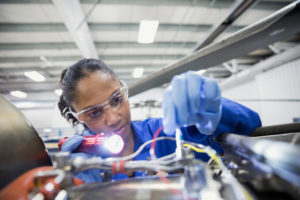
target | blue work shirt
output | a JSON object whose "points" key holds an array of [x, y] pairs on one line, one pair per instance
{"points": [[236, 118]]}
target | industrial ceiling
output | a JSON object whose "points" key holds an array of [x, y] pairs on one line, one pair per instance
{"points": [[49, 36]]}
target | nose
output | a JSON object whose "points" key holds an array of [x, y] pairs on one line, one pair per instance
{"points": [[112, 118]]}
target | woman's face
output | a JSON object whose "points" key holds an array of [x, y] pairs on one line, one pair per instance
{"points": [[96, 89]]}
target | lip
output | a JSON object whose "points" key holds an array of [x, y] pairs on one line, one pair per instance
{"points": [[120, 130]]}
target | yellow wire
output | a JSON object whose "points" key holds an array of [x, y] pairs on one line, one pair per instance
{"points": [[212, 155]]}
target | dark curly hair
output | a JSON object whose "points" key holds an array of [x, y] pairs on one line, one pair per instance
{"points": [[69, 80]]}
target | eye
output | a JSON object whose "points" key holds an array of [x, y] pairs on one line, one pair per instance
{"points": [[95, 113], [117, 100]]}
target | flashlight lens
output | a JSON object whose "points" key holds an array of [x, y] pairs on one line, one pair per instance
{"points": [[114, 144]]}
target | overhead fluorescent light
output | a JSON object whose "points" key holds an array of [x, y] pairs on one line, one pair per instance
{"points": [[147, 31], [18, 94], [25, 105], [58, 92], [138, 72], [47, 130], [200, 72], [34, 75], [33, 104]]}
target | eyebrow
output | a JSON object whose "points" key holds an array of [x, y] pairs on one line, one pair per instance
{"points": [[115, 92]]}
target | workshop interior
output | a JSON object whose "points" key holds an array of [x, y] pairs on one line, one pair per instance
{"points": [[250, 47]]}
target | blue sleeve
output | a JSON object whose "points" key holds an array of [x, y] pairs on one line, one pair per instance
{"points": [[235, 118]]}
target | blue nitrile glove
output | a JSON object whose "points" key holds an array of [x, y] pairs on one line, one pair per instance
{"points": [[72, 143], [88, 176], [192, 100]]}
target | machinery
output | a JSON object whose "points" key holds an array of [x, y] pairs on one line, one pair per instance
{"points": [[260, 167]]}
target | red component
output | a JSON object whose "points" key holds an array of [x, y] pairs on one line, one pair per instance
{"points": [[93, 140], [92, 144], [114, 167], [20, 188], [122, 166], [118, 166], [61, 142]]}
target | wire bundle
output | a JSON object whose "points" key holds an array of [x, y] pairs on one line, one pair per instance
{"points": [[167, 163]]}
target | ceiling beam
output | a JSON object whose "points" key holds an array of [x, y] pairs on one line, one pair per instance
{"points": [[74, 20], [16, 76], [32, 27], [59, 27], [280, 25], [263, 4], [110, 45], [125, 62], [104, 57], [162, 27], [24, 80], [55, 68], [27, 86], [39, 46], [30, 86]]}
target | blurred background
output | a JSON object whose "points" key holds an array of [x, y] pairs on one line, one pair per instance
{"points": [[40, 38]]}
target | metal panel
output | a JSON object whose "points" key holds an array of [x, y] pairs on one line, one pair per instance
{"points": [[21, 149]]}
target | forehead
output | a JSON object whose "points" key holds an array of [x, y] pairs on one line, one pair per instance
{"points": [[94, 89]]}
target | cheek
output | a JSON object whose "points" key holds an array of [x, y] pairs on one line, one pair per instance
{"points": [[126, 112], [97, 128]]}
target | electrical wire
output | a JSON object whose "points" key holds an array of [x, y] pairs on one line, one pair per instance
{"points": [[172, 155], [166, 163], [106, 164], [141, 166], [152, 148], [139, 150], [160, 163], [160, 173], [219, 162], [211, 154], [222, 166]]}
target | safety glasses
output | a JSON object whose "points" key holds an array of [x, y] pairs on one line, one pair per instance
{"points": [[95, 113]]}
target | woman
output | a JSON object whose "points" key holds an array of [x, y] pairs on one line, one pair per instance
{"points": [[92, 94]]}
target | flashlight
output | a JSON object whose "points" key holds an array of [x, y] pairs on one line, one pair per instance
{"points": [[100, 145]]}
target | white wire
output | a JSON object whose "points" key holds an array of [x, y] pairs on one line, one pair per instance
{"points": [[156, 164], [148, 142], [172, 155], [168, 158], [147, 166], [160, 162], [138, 151]]}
